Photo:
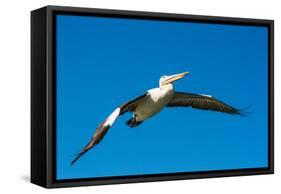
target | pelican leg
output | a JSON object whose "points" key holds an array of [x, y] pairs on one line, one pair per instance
{"points": [[132, 122]]}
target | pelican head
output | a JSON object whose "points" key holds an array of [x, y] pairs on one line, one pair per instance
{"points": [[169, 79]]}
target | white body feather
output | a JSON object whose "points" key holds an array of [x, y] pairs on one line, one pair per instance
{"points": [[154, 102]]}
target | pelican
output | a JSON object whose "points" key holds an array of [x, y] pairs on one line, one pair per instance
{"points": [[152, 102]]}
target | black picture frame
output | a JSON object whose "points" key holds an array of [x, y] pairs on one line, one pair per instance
{"points": [[43, 93]]}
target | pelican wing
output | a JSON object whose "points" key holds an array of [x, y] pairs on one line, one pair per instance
{"points": [[107, 123], [203, 102]]}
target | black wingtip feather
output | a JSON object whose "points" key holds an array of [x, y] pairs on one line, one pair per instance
{"points": [[85, 149], [243, 112], [76, 158]]}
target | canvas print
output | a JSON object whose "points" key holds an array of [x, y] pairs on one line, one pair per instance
{"points": [[144, 97]]}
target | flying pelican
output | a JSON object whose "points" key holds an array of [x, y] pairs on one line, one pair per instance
{"points": [[152, 102]]}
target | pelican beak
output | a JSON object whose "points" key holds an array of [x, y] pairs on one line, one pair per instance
{"points": [[175, 77]]}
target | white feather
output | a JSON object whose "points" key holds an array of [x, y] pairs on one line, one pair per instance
{"points": [[206, 95], [155, 101], [112, 117]]}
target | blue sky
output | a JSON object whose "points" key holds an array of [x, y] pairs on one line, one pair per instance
{"points": [[104, 62]]}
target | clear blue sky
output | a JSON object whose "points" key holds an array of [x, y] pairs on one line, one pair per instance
{"points": [[104, 62]]}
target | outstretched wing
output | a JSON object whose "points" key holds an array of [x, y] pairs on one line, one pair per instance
{"points": [[107, 123], [203, 102]]}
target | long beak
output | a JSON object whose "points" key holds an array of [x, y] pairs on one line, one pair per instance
{"points": [[175, 77]]}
